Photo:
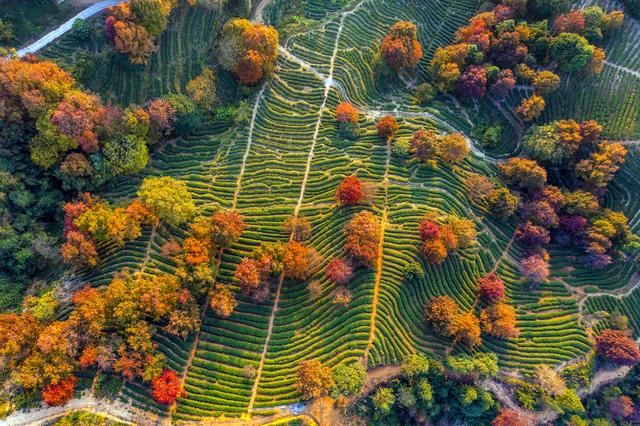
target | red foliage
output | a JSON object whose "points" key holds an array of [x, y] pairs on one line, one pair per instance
{"points": [[503, 84], [473, 81], [509, 418], [532, 235], [162, 116], [346, 113], [621, 407], [615, 346], [88, 357], [110, 30], [491, 287], [59, 393], [400, 47], [79, 250], [350, 191], [429, 230], [248, 273], [572, 22], [167, 387], [363, 236], [250, 68], [476, 33], [339, 271], [226, 227], [74, 209], [387, 127], [535, 268]]}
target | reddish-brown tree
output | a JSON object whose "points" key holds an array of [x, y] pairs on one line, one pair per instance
{"points": [[400, 47], [424, 144], [429, 229], [617, 347], [59, 393], [79, 250], [339, 271], [363, 236], [167, 387], [346, 113], [226, 227], [510, 418], [248, 273], [387, 127], [534, 268], [621, 407], [250, 68], [572, 22], [350, 191], [440, 312], [491, 287]]}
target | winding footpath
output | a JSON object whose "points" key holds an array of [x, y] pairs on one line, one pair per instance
{"points": [[53, 35]]}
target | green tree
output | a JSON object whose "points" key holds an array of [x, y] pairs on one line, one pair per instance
{"points": [[383, 400], [349, 378], [188, 114], [502, 204], [169, 199], [572, 51], [415, 365]]}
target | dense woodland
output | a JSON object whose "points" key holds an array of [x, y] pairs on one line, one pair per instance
{"points": [[64, 148]]}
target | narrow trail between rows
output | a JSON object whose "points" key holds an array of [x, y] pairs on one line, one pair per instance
{"points": [[379, 258], [245, 156], [314, 140], [623, 69]]}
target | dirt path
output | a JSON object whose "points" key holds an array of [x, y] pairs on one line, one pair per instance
{"points": [[376, 285], [245, 156], [112, 410], [314, 140]]}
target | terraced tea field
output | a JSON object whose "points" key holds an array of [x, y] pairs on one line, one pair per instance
{"points": [[287, 160]]}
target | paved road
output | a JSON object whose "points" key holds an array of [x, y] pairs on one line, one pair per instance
{"points": [[87, 13]]}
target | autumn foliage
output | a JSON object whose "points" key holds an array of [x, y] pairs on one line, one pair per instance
{"points": [[339, 271], [510, 418], [491, 287], [226, 227], [167, 387], [347, 113], [499, 320], [387, 127], [59, 393], [617, 347], [69, 131], [363, 236], [314, 379], [249, 50], [350, 192], [440, 312], [132, 27], [400, 47]]}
